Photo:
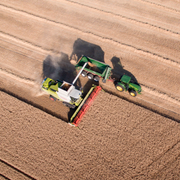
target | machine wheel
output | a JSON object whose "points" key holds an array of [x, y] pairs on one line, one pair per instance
{"points": [[72, 106], [133, 93], [120, 87], [90, 76], [96, 78], [84, 74], [52, 98], [104, 80]]}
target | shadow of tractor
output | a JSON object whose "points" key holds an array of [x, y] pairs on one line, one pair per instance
{"points": [[81, 47], [118, 71]]}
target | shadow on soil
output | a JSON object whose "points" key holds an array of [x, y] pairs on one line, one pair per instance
{"points": [[118, 70], [60, 68], [81, 47]]}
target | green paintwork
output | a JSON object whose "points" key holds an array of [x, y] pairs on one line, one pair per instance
{"points": [[102, 70], [135, 87], [53, 88], [125, 81], [122, 84]]}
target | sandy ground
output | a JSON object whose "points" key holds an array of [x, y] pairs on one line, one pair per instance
{"points": [[120, 137]]}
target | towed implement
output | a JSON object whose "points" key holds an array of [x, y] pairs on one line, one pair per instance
{"points": [[94, 69], [125, 84], [98, 70], [74, 98]]}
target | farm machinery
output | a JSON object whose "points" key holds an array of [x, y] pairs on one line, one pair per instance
{"points": [[74, 98], [70, 96], [98, 70]]}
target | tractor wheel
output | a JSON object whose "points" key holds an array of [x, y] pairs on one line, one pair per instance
{"points": [[90, 76], [120, 87], [52, 98], [104, 80], [96, 78], [84, 74], [133, 93]]}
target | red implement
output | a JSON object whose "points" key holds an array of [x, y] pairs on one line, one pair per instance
{"points": [[86, 105]]}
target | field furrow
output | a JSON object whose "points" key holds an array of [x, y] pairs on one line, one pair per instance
{"points": [[120, 136], [170, 6], [122, 31], [35, 65]]}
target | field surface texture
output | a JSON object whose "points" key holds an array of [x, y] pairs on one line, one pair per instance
{"points": [[120, 137]]}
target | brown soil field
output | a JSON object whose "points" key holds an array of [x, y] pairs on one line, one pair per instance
{"points": [[120, 137]]}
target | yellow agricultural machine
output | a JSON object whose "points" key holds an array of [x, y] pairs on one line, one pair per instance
{"points": [[74, 98], [70, 96]]}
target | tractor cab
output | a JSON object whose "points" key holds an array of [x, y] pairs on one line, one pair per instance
{"points": [[126, 84]]}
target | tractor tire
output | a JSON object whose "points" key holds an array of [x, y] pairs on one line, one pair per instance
{"points": [[90, 76], [96, 78], [52, 98], [132, 93], [84, 74], [119, 87], [104, 80]]}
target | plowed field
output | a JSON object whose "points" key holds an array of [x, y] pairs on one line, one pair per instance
{"points": [[120, 137]]}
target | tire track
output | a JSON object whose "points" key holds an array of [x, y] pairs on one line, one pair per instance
{"points": [[20, 53], [20, 43], [6, 178], [32, 82], [160, 172], [131, 20], [159, 163], [128, 47], [164, 157], [159, 5], [15, 171], [110, 90], [21, 79], [160, 94], [36, 105], [19, 40], [146, 89]]}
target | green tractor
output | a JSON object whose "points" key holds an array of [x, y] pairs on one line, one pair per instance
{"points": [[126, 84]]}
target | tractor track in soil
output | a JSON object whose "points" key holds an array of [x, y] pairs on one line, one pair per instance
{"points": [[143, 130], [168, 61], [146, 89], [148, 105], [171, 152], [135, 21], [159, 5], [128, 47], [32, 82], [34, 104], [15, 172], [168, 153]]}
